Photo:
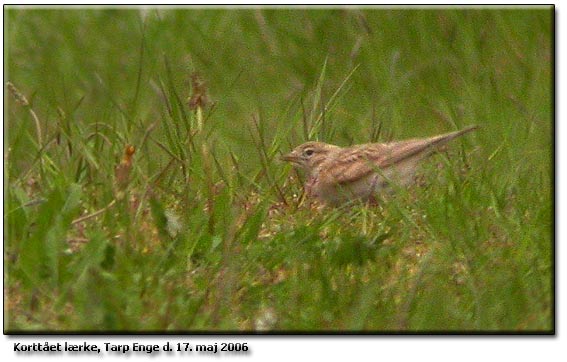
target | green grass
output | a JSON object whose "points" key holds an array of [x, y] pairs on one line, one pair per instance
{"points": [[204, 229]]}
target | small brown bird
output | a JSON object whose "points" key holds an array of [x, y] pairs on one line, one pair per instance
{"points": [[336, 174]]}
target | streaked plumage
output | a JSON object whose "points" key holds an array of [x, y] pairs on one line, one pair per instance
{"points": [[336, 174]]}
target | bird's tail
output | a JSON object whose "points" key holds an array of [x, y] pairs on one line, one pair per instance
{"points": [[444, 138], [420, 148]]}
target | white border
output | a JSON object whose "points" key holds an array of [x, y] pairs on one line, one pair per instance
{"points": [[376, 348]]}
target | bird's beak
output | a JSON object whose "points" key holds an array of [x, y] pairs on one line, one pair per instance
{"points": [[290, 157]]}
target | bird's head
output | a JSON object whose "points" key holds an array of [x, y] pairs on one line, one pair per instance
{"points": [[310, 155]]}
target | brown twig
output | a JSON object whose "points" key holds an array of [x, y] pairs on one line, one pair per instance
{"points": [[96, 213]]}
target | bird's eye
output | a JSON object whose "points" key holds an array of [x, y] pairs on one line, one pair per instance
{"points": [[309, 152]]}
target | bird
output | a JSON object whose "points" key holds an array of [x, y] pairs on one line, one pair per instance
{"points": [[336, 175]]}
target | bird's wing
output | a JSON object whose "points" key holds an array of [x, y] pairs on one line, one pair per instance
{"points": [[346, 166], [354, 163]]}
